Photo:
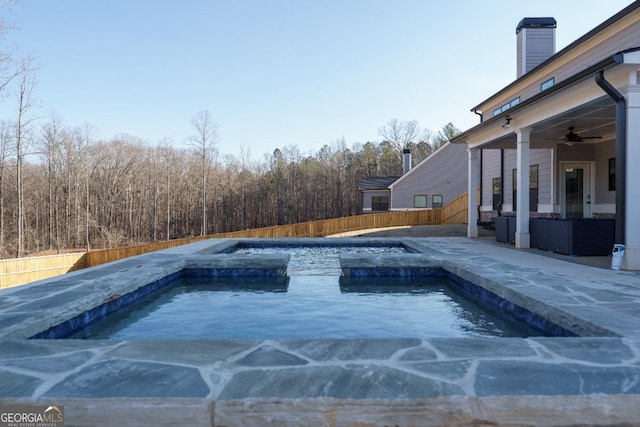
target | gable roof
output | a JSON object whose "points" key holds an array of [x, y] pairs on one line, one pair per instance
{"points": [[426, 160], [618, 16], [369, 183]]}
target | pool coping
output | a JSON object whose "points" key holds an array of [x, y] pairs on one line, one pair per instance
{"points": [[215, 382]]}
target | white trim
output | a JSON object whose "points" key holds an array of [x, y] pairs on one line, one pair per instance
{"points": [[523, 165]]}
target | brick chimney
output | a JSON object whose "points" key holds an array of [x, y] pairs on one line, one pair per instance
{"points": [[406, 160], [536, 38]]}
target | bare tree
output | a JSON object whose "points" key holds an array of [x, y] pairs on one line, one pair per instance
{"points": [[86, 140], [5, 142], [22, 139], [168, 160], [400, 134], [203, 142], [50, 150]]}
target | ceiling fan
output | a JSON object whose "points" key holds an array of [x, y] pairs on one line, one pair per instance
{"points": [[572, 137]]}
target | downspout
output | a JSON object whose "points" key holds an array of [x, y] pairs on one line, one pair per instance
{"points": [[621, 153], [501, 182], [480, 195], [479, 114]]}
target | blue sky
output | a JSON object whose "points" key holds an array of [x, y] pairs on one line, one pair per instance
{"points": [[275, 73]]}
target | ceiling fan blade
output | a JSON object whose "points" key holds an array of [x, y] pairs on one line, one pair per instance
{"points": [[573, 137]]}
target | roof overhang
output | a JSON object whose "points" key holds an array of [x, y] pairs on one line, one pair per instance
{"points": [[576, 101]]}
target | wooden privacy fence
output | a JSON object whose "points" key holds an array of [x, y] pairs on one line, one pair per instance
{"points": [[319, 228], [25, 270], [456, 211]]}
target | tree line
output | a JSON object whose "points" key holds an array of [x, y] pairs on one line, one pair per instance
{"points": [[62, 189]]}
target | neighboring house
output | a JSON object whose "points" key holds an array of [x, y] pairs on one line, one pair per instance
{"points": [[434, 182], [558, 140], [431, 184], [376, 193]]}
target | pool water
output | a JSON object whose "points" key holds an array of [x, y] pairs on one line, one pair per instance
{"points": [[314, 260], [306, 307], [313, 301]]}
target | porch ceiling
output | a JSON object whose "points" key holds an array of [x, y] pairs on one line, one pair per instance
{"points": [[596, 118]]}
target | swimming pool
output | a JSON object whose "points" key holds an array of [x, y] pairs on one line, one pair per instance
{"points": [[314, 301], [391, 381]]}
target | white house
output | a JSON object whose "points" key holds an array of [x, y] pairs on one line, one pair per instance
{"points": [[563, 139]]}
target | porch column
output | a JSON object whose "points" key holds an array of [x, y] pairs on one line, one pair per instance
{"points": [[472, 192], [523, 238], [631, 260]]}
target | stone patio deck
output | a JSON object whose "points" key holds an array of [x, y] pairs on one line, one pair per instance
{"points": [[591, 380]]}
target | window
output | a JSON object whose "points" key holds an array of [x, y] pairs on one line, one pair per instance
{"points": [[547, 84], [514, 175], [497, 194], [420, 201], [380, 203], [533, 188], [436, 201], [612, 174], [506, 106]]}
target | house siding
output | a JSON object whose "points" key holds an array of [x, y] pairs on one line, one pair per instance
{"points": [[543, 158], [510, 159], [602, 153], [490, 170], [577, 153], [442, 173]]}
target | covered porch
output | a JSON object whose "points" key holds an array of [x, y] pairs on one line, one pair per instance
{"points": [[581, 134]]}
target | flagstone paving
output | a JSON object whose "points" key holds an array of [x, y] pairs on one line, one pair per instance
{"points": [[593, 379]]}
